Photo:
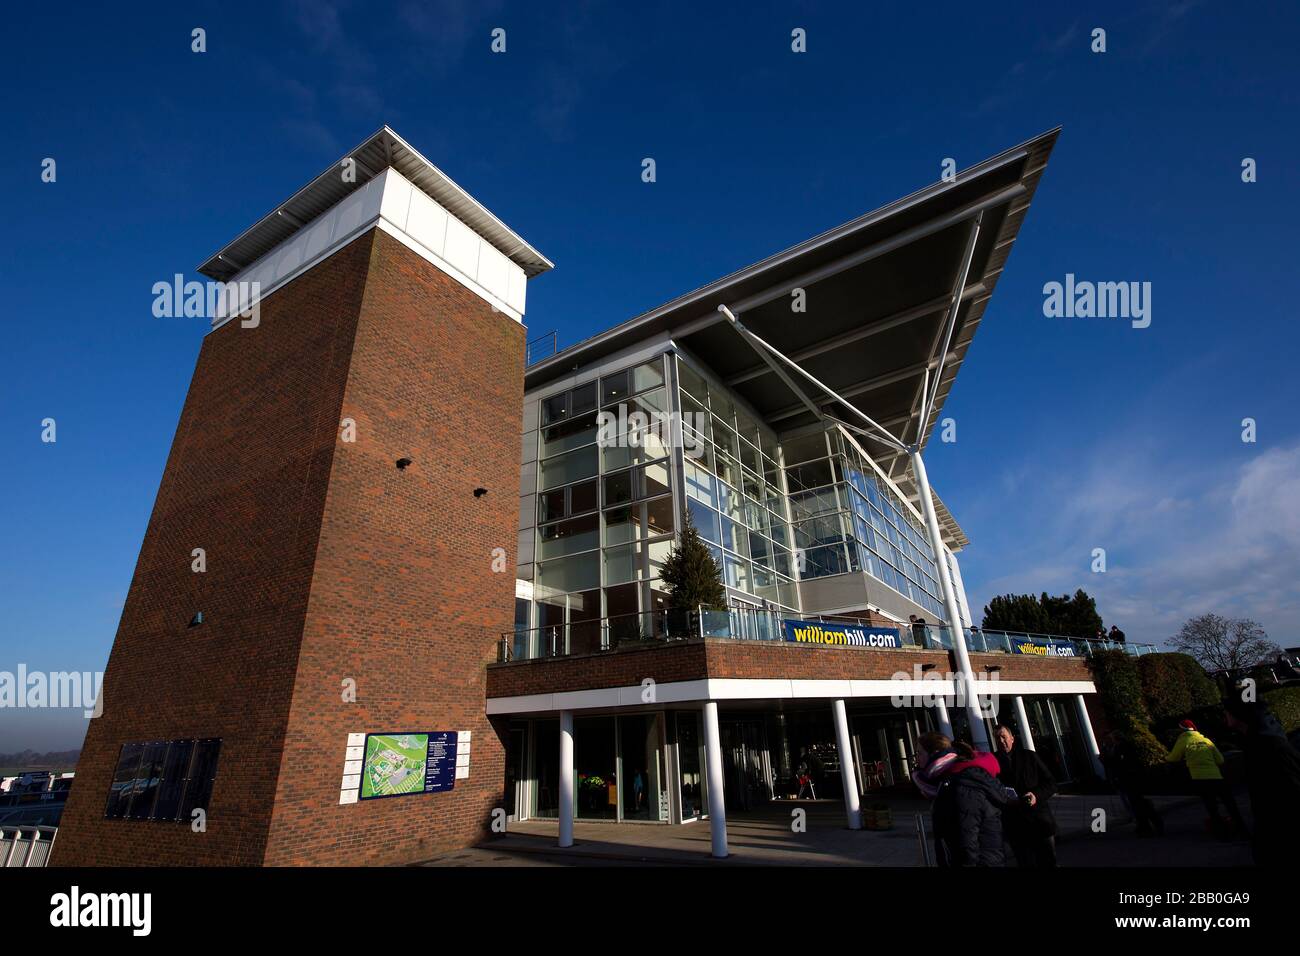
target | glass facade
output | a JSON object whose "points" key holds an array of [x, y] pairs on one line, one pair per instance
{"points": [[735, 493], [604, 517], [607, 506], [847, 518]]}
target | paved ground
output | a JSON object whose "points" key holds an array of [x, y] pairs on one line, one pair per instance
{"points": [[765, 838]]}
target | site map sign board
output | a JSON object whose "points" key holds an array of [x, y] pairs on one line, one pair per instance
{"points": [[851, 635], [401, 764]]}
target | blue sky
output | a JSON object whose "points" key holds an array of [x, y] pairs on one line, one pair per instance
{"points": [[1072, 433]]}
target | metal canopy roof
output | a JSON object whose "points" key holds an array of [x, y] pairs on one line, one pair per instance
{"points": [[877, 292], [377, 152]]}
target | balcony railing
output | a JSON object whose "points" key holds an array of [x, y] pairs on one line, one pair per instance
{"points": [[652, 628], [540, 348]]}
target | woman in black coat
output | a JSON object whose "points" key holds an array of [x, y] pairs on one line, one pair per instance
{"points": [[967, 810]]}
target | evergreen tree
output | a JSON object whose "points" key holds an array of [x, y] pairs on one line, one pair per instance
{"points": [[1069, 616], [690, 575]]}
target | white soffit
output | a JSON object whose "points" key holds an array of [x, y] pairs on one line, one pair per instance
{"points": [[390, 202]]}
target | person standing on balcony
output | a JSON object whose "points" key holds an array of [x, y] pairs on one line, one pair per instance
{"points": [[1028, 822], [918, 630], [1116, 634], [1203, 761]]}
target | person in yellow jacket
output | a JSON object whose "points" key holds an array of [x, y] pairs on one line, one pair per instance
{"points": [[1203, 761]]}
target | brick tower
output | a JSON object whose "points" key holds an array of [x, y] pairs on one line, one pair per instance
{"points": [[336, 595]]}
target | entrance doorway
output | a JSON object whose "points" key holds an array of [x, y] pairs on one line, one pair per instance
{"points": [[746, 768]]}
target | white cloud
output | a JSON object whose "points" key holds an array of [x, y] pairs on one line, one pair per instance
{"points": [[1182, 537]]}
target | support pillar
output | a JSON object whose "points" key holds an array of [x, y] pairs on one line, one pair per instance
{"points": [[713, 771], [848, 770], [965, 677], [1022, 721], [941, 712], [1089, 738], [566, 778]]}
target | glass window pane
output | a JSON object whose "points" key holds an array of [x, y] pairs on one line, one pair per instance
{"points": [[700, 485], [614, 388], [176, 768], [738, 574], [705, 520], [641, 520], [119, 794], [568, 467], [578, 572], [568, 434], [203, 773], [569, 537], [654, 480], [621, 564], [618, 488], [693, 383], [582, 497], [582, 399], [735, 537], [551, 505], [649, 375], [660, 517], [554, 408], [729, 502], [147, 778]]}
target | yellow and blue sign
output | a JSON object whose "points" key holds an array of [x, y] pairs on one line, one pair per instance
{"points": [[1043, 648], [845, 635]]}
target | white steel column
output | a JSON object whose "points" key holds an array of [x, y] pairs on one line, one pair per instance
{"points": [[566, 778], [1022, 721], [713, 770], [945, 722], [964, 675], [1089, 738], [848, 770]]}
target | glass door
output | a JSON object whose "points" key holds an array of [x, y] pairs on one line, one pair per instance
{"points": [[690, 759], [516, 776]]}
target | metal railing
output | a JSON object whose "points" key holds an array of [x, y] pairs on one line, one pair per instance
{"points": [[648, 628], [542, 347]]}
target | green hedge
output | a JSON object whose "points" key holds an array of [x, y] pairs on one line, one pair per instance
{"points": [[1285, 705], [1175, 687], [1145, 697]]}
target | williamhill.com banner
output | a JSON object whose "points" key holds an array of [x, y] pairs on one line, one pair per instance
{"points": [[852, 635], [1042, 648]]}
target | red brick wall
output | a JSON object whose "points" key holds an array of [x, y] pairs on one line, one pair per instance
{"points": [[1025, 667], [245, 480], [404, 598], [772, 659], [752, 660], [678, 661], [324, 562]]}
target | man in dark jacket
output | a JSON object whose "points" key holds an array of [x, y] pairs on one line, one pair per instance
{"points": [[1273, 780], [1027, 822]]}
